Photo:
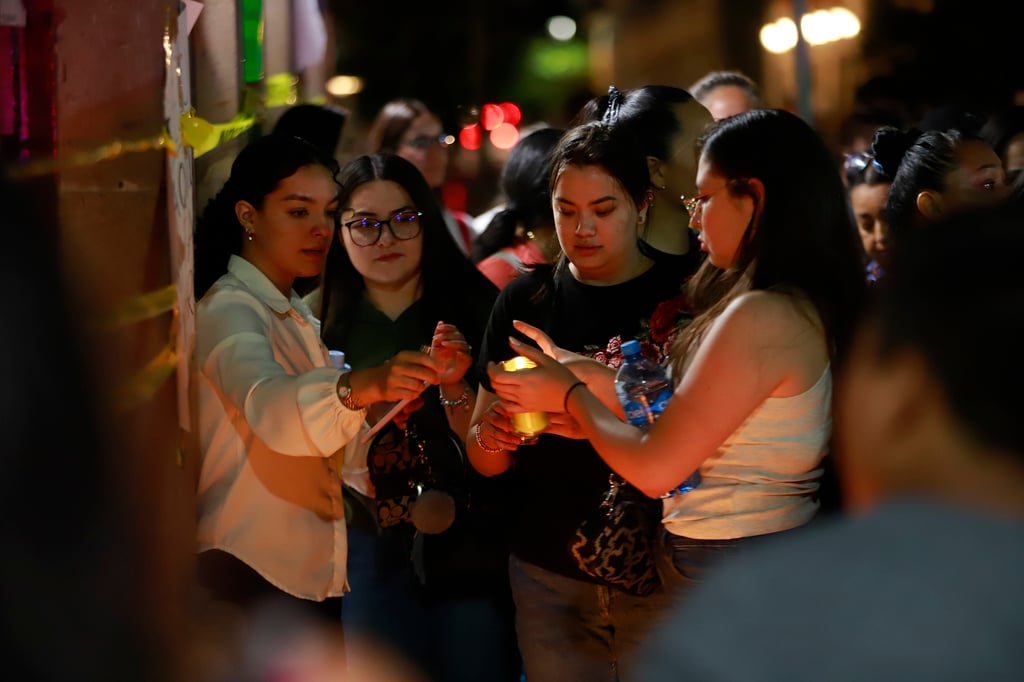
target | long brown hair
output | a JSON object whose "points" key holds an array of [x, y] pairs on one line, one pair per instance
{"points": [[453, 289], [801, 239]]}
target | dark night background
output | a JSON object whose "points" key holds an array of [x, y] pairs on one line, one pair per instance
{"points": [[457, 52]]}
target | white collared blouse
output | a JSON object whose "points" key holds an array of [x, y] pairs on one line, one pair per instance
{"points": [[273, 434]]}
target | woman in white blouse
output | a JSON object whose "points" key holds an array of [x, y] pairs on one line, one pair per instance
{"points": [[277, 421]]}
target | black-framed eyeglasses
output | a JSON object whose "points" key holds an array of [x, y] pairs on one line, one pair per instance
{"points": [[403, 225], [427, 141]]}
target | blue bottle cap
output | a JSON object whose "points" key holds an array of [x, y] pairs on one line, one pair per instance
{"points": [[630, 348]]}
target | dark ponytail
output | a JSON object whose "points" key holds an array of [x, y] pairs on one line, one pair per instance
{"points": [[256, 171]]}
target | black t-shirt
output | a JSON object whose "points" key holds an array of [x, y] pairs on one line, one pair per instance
{"points": [[558, 482]]}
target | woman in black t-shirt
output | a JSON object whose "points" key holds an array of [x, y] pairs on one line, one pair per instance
{"points": [[605, 290]]}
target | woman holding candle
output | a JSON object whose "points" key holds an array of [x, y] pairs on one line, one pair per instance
{"points": [[602, 291], [395, 281], [753, 372]]}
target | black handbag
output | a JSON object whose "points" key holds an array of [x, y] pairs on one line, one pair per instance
{"points": [[403, 463], [464, 547], [616, 544]]}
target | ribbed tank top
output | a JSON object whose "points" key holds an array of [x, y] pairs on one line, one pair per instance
{"points": [[763, 479]]}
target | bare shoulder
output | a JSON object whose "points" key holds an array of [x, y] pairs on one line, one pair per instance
{"points": [[771, 316], [781, 333]]}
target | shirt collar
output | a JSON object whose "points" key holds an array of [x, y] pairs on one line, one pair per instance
{"points": [[261, 286]]}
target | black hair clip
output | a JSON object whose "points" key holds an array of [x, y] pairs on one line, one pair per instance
{"points": [[614, 104]]}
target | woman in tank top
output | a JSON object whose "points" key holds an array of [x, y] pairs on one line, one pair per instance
{"points": [[776, 300]]}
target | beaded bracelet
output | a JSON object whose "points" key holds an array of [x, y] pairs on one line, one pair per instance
{"points": [[480, 442], [463, 398]]}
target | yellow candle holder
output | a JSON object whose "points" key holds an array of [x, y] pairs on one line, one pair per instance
{"points": [[528, 425]]}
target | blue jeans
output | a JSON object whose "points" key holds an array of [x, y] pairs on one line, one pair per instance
{"points": [[451, 639], [575, 631]]}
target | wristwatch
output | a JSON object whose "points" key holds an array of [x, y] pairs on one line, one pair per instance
{"points": [[345, 393]]}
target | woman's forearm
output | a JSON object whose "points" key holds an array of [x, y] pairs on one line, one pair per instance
{"points": [[600, 380], [458, 401]]}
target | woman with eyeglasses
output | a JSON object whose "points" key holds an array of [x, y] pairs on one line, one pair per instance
{"points": [[276, 426], [428, 574], [868, 187], [602, 291], [409, 128], [775, 304]]}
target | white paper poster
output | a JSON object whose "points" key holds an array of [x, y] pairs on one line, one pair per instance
{"points": [[180, 203]]}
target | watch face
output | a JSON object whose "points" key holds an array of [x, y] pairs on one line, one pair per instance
{"points": [[345, 394]]}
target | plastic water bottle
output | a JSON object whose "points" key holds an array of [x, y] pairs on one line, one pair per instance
{"points": [[338, 360], [644, 388]]}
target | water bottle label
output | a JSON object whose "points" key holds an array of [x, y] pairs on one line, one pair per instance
{"points": [[639, 413]]}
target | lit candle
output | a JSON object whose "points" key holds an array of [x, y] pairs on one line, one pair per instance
{"points": [[526, 424]]}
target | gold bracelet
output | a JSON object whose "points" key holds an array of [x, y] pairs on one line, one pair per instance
{"points": [[480, 442]]}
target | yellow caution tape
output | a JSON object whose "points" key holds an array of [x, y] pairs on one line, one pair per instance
{"points": [[145, 383], [143, 307], [282, 90]]}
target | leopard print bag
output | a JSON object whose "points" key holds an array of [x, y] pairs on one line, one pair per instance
{"points": [[616, 545]]}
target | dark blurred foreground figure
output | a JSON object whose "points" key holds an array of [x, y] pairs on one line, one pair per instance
{"points": [[75, 603], [924, 583]]}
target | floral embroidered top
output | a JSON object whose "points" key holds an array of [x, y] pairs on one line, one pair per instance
{"points": [[656, 334]]}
